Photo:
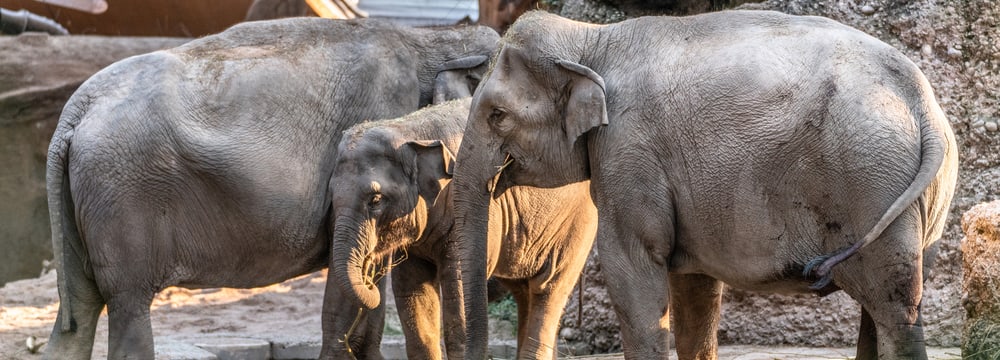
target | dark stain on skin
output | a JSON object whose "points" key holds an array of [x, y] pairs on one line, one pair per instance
{"points": [[792, 270], [833, 226]]}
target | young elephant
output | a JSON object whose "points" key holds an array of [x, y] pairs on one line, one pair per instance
{"points": [[391, 191], [752, 148], [207, 165]]}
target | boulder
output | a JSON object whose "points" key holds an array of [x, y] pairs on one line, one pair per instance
{"points": [[981, 281]]}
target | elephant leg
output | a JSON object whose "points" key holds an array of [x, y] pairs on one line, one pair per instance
{"points": [[127, 281], [414, 285], [696, 304], [867, 338], [452, 308], [85, 304], [341, 317], [886, 278], [547, 299], [638, 289], [130, 334], [519, 290]]}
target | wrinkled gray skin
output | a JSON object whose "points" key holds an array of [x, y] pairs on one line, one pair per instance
{"points": [[207, 165], [734, 147], [391, 191]]}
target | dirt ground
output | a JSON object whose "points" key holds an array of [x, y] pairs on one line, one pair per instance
{"points": [[292, 308]]}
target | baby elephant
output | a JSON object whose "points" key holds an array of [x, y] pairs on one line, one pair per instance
{"points": [[390, 194]]}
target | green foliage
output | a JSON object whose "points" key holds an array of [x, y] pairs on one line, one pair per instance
{"points": [[504, 309], [389, 330]]}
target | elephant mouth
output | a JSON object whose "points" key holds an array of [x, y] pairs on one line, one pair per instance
{"points": [[508, 160], [374, 268]]}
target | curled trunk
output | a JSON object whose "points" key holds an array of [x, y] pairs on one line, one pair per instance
{"points": [[351, 262]]}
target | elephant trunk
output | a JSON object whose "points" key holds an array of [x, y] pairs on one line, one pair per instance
{"points": [[352, 264], [473, 185]]}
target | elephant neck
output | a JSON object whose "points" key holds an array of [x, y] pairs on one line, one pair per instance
{"points": [[440, 217]]}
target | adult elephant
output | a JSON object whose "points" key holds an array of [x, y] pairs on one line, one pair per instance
{"points": [[752, 148], [391, 193], [207, 165]]}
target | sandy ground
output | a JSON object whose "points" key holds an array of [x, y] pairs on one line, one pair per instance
{"points": [[291, 309]]}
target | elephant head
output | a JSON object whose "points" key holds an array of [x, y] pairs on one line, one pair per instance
{"points": [[458, 78], [453, 61], [382, 190], [527, 126]]}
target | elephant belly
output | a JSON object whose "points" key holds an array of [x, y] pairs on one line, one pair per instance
{"points": [[255, 246], [761, 253]]}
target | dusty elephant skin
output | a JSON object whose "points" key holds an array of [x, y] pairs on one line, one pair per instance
{"points": [[391, 191], [207, 165], [770, 152]]}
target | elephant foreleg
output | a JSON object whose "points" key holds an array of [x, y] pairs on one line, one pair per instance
{"points": [[547, 302], [345, 320], [453, 310], [638, 289], [696, 304], [414, 285]]}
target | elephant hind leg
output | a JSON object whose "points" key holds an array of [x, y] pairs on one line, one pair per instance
{"points": [[886, 278], [130, 334], [519, 290], [85, 304], [696, 305], [867, 338], [892, 329]]}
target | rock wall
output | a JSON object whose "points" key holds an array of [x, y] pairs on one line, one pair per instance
{"points": [[38, 73], [956, 43], [981, 284]]}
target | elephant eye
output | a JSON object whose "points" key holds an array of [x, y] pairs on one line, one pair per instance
{"points": [[496, 119], [495, 115], [376, 200]]}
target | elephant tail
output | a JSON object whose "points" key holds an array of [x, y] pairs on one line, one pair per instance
{"points": [[66, 241], [933, 151]]}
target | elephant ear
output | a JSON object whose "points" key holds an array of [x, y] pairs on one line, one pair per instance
{"points": [[458, 78], [586, 107], [433, 161]]}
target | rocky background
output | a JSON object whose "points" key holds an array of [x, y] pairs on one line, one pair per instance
{"points": [[957, 45]]}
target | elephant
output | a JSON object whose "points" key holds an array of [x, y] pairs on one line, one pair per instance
{"points": [[207, 165], [391, 194], [769, 152]]}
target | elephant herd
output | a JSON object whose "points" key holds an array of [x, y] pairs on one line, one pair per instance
{"points": [[765, 151]]}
